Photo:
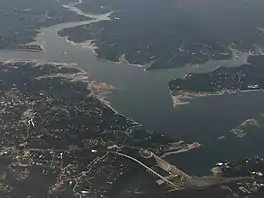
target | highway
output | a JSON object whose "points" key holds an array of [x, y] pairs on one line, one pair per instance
{"points": [[146, 167], [163, 164], [176, 178], [179, 180]]}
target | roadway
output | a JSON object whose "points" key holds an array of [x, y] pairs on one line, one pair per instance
{"points": [[146, 167], [182, 180]]}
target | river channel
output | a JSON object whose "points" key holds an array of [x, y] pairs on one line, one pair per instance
{"points": [[143, 96]]}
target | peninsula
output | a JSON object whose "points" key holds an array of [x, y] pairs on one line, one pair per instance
{"points": [[247, 77], [158, 35]]}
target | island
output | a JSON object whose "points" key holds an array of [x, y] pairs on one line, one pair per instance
{"points": [[247, 77], [157, 35], [29, 47]]}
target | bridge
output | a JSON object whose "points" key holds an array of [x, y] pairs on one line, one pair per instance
{"points": [[176, 179]]}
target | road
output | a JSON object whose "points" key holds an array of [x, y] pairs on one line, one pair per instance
{"points": [[176, 178], [146, 167], [179, 180]]}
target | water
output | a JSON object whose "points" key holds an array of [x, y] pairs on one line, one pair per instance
{"points": [[144, 97]]}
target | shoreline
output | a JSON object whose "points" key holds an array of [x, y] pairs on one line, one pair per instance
{"points": [[189, 147], [24, 50], [121, 59], [146, 67], [37, 39], [81, 75], [189, 96]]}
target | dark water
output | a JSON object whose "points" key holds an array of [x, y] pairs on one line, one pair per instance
{"points": [[144, 97], [204, 120]]}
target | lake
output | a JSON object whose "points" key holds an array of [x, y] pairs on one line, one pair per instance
{"points": [[144, 96]]}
